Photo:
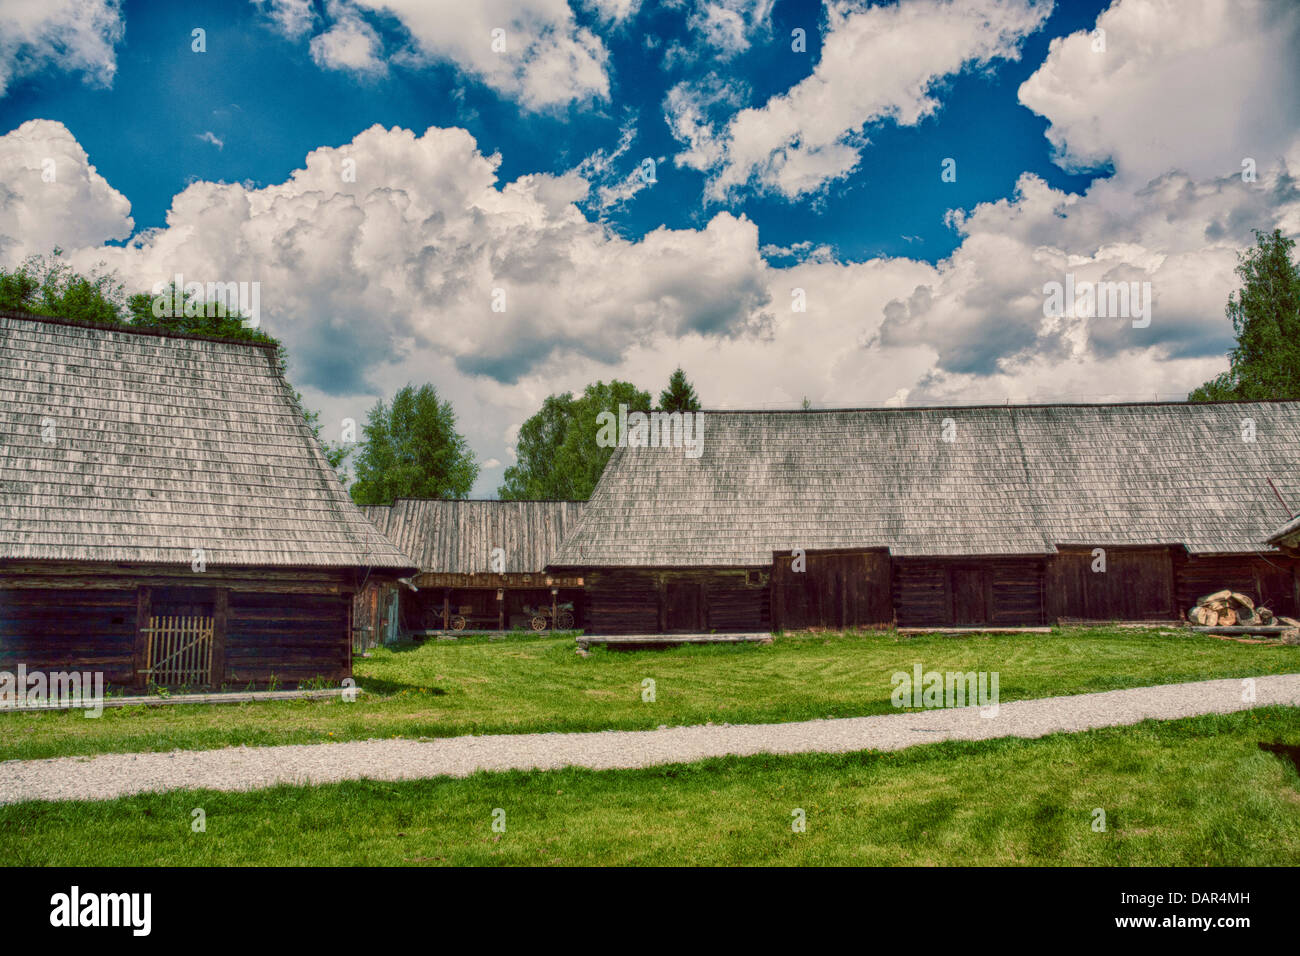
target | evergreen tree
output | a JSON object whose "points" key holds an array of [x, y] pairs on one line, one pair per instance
{"points": [[680, 395]]}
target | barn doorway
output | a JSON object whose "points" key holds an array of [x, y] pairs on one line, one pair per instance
{"points": [[179, 638]]}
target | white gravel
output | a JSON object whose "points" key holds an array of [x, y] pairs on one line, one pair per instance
{"points": [[247, 768]]}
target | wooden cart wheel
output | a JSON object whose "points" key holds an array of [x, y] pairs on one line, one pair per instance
{"points": [[564, 621], [457, 622], [538, 622]]}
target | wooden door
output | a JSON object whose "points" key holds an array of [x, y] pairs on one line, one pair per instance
{"points": [[970, 599], [682, 605]]}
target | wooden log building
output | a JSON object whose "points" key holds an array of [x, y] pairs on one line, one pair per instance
{"points": [[167, 513], [482, 565], [978, 516]]}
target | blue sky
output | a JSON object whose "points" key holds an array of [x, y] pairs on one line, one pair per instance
{"points": [[389, 177], [262, 95]]}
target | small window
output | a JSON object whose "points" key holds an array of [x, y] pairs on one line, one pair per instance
{"points": [[754, 579]]}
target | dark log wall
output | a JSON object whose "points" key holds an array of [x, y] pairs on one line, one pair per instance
{"points": [[69, 629], [290, 625], [651, 602], [288, 638], [1003, 592], [843, 589], [1272, 581], [623, 602], [834, 590]]}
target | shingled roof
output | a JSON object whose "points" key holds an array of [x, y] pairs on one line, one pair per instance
{"points": [[1288, 534], [457, 537], [1016, 479], [133, 446]]}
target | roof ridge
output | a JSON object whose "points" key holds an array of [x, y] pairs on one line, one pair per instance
{"points": [[994, 406]]}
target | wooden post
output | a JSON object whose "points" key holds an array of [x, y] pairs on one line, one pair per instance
{"points": [[446, 609], [554, 592], [139, 652], [347, 635], [220, 614], [501, 609], [662, 589]]}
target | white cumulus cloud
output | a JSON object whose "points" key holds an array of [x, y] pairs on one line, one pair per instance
{"points": [[877, 64], [77, 36]]}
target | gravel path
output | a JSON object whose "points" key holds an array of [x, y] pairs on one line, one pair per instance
{"points": [[246, 768]]}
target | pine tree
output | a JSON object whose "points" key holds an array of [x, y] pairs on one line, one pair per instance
{"points": [[680, 395]]}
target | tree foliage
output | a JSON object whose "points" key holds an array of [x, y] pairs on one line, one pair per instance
{"points": [[557, 452], [1265, 315], [412, 450], [680, 395]]}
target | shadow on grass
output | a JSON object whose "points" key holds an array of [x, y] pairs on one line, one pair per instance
{"points": [[1285, 752]]}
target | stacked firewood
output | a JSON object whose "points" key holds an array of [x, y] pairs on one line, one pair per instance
{"points": [[1229, 609], [1234, 609]]}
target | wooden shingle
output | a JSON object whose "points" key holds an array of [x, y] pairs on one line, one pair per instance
{"points": [[131, 446], [1014, 479], [457, 537]]}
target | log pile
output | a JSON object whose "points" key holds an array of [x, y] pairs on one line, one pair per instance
{"points": [[1229, 609], [1231, 612]]}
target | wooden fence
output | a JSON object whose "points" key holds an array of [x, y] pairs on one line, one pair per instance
{"points": [[179, 651]]}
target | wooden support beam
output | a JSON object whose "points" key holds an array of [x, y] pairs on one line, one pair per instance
{"points": [[220, 617], [139, 651]]}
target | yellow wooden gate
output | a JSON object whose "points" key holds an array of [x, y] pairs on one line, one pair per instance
{"points": [[179, 651]]}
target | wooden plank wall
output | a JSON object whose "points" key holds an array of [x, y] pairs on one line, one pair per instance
{"points": [[1001, 591], [1018, 591], [623, 602], [835, 590], [1152, 584], [1137, 585], [734, 603], [69, 629], [69, 617]]}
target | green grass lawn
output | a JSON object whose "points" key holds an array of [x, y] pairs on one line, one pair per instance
{"points": [[1188, 793], [529, 684]]}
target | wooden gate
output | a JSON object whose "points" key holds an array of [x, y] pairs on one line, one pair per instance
{"points": [[179, 651]]}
